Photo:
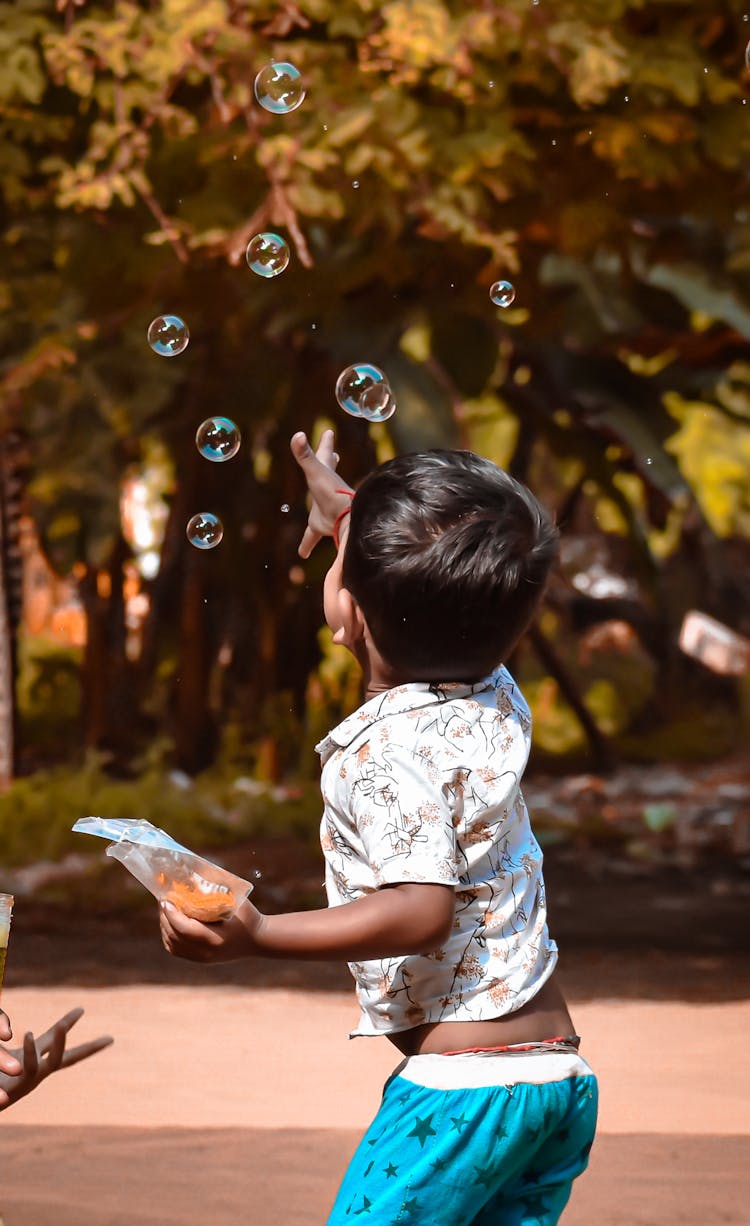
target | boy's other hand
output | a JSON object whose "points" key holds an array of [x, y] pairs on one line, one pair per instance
{"points": [[24, 1068], [222, 942], [324, 486]]}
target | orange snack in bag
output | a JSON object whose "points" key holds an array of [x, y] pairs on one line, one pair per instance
{"points": [[200, 899]]}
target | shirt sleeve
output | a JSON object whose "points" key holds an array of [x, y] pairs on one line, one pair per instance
{"points": [[403, 816]]}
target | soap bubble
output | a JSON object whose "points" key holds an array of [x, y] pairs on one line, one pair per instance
{"points": [[279, 88], [205, 530], [377, 403], [502, 293], [354, 381], [168, 335], [362, 390], [267, 254], [747, 57], [218, 439], [285, 508]]}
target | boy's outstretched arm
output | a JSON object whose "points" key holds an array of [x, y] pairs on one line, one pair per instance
{"points": [[324, 485], [398, 919]]}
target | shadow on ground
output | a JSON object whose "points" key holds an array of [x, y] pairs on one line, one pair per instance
{"points": [[116, 1176]]}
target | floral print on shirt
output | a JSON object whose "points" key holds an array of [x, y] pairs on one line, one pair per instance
{"points": [[422, 784]]}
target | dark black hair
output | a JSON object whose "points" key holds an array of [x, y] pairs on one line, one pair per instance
{"points": [[448, 557]]}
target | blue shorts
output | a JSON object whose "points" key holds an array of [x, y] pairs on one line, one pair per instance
{"points": [[473, 1140]]}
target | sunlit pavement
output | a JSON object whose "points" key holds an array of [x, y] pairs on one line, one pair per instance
{"points": [[226, 1104]]}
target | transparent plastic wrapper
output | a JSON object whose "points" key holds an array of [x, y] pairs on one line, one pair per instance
{"points": [[171, 872]]}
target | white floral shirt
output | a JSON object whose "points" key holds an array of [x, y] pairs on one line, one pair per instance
{"points": [[422, 783]]}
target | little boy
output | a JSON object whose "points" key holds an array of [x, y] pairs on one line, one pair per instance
{"points": [[433, 875]]}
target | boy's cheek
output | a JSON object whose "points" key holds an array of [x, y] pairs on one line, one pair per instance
{"points": [[331, 589]]}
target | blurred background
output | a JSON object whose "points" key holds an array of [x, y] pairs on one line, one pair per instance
{"points": [[594, 155]]}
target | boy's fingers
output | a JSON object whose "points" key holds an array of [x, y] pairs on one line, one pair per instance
{"points": [[179, 925], [6, 1030], [308, 542], [314, 464], [325, 450], [301, 449], [84, 1050]]}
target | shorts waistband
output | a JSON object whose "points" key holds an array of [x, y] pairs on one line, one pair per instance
{"points": [[479, 1070]]}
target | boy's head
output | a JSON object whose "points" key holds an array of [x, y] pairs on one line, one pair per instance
{"points": [[447, 557]]}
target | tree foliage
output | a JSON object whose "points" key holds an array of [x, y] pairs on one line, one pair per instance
{"points": [[594, 153]]}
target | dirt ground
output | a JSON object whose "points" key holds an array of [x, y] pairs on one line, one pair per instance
{"points": [[233, 1094]]}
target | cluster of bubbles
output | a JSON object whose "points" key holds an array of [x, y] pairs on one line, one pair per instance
{"points": [[280, 90], [218, 439], [363, 391]]}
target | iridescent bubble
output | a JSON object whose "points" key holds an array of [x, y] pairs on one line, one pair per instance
{"points": [[747, 57], [362, 390], [267, 254], [377, 403], [218, 439], [279, 88], [285, 508], [502, 293], [168, 335], [205, 530]]}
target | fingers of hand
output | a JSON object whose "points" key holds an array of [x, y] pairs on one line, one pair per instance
{"points": [[6, 1030], [325, 451], [9, 1064], [301, 449], [188, 938], [30, 1058], [309, 540]]}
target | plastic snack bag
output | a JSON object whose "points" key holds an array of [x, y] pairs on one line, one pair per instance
{"points": [[171, 872]]}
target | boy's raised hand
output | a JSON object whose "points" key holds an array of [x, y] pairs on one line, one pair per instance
{"points": [[324, 485], [222, 942], [26, 1067]]}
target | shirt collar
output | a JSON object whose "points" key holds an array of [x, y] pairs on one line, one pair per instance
{"points": [[410, 697]]}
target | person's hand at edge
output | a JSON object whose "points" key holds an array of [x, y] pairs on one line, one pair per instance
{"points": [[324, 486], [40, 1057], [8, 1062]]}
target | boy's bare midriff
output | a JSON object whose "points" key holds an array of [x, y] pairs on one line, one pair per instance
{"points": [[546, 1016]]}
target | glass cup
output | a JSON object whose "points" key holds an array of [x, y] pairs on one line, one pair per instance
{"points": [[6, 908]]}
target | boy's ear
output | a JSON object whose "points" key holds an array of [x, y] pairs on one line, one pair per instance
{"points": [[352, 629]]}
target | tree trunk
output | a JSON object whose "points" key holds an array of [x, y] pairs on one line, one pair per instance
{"points": [[11, 595], [195, 736], [601, 750], [7, 680], [108, 698]]}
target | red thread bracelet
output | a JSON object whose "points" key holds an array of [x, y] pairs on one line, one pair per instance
{"points": [[341, 516]]}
